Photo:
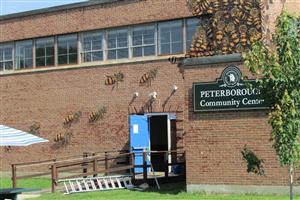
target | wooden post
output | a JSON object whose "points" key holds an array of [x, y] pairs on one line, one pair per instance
{"points": [[53, 178], [166, 164], [106, 163], [145, 176], [132, 162], [84, 165], [95, 168], [14, 175]]}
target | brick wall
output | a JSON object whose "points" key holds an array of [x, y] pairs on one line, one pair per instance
{"points": [[90, 18], [47, 98], [214, 140]]}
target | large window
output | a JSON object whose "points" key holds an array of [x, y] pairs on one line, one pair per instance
{"points": [[44, 52], [171, 37], [191, 27], [117, 44], [67, 49], [6, 57], [92, 47], [24, 54], [143, 41]]}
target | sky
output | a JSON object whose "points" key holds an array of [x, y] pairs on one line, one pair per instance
{"points": [[15, 6]]}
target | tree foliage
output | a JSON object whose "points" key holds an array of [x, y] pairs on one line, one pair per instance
{"points": [[277, 70]]}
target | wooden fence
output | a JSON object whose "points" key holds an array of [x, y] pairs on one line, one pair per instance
{"points": [[92, 164]]}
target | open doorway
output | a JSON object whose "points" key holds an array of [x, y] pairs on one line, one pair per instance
{"points": [[159, 139]]}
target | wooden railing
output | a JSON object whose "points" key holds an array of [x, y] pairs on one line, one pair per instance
{"points": [[92, 164]]}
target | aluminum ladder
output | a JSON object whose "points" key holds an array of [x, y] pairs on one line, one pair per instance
{"points": [[96, 184]]}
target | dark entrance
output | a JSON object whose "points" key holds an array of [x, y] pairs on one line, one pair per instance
{"points": [[158, 140]]}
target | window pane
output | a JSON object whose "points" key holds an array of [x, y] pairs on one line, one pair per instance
{"points": [[122, 41], [72, 48], [63, 59], [97, 56], [137, 37], [40, 52], [40, 62], [137, 52], [67, 49], [149, 51], [1, 66], [62, 48], [112, 54], [165, 49], [149, 38], [72, 59], [45, 51], [9, 65], [111, 40], [177, 48], [8, 54], [24, 54], [50, 61], [176, 35], [87, 46], [137, 40], [97, 45], [123, 53], [170, 37], [50, 51], [87, 57], [1, 54], [191, 29], [28, 63]]}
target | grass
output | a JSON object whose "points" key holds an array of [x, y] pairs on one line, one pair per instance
{"points": [[40, 183], [167, 192]]}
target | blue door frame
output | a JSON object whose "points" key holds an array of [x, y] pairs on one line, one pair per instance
{"points": [[139, 139]]}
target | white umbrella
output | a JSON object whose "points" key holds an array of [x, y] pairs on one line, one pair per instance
{"points": [[13, 137]]}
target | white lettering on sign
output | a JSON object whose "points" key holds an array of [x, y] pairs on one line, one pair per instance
{"points": [[135, 128]]}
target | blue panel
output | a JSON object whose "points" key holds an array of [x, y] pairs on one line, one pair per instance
{"points": [[139, 138]]}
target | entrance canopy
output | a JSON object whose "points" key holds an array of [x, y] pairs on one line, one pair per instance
{"points": [[13, 137]]}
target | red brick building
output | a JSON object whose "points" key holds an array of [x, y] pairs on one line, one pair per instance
{"points": [[56, 62]]}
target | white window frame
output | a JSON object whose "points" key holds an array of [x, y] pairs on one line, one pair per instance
{"points": [[117, 48], [83, 51], [18, 45], [170, 24], [68, 53], [52, 39], [142, 27]]}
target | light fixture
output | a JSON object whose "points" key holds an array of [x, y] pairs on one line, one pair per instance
{"points": [[135, 94], [153, 95], [174, 87]]}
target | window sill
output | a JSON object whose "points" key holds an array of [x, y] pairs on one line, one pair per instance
{"points": [[90, 64]]}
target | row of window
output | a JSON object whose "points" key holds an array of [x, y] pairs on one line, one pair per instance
{"points": [[163, 38]]}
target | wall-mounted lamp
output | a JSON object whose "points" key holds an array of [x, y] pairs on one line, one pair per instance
{"points": [[174, 87], [135, 94], [153, 96]]}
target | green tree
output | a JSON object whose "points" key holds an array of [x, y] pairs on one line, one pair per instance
{"points": [[277, 70]]}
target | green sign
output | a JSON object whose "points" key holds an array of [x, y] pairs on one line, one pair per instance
{"points": [[229, 92]]}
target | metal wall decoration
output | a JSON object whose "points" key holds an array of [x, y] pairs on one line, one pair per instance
{"points": [[94, 116], [148, 76], [72, 118], [63, 138], [34, 129], [113, 79], [225, 27]]}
